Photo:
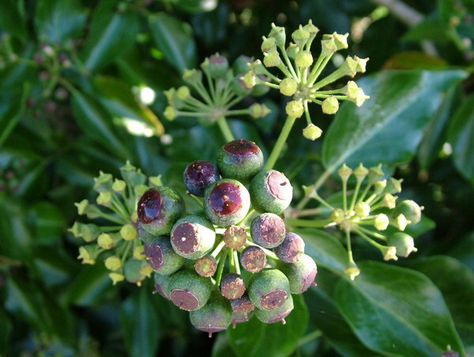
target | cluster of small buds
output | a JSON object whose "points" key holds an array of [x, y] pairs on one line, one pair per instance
{"points": [[211, 100], [302, 75], [373, 212], [113, 235], [235, 258]]}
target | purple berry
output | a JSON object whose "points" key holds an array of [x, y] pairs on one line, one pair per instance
{"points": [[271, 192], [206, 266], [240, 159], [268, 230], [161, 257], [232, 286], [235, 237], [162, 283], [269, 289], [253, 259], [189, 291], [199, 175], [291, 249], [192, 237], [276, 315], [301, 274], [242, 310]]}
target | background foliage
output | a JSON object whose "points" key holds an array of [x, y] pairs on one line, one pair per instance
{"points": [[71, 75]]}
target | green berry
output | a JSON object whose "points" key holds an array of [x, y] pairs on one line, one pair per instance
{"points": [[276, 315], [269, 289], [410, 209], [242, 310], [158, 209], [271, 192], [301, 274], [133, 270], [268, 230], [403, 243], [161, 256], [240, 159], [227, 202], [216, 65], [189, 291], [162, 284], [214, 317], [192, 237]]}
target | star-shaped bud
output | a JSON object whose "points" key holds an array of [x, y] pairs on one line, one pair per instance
{"points": [[288, 86], [362, 209], [192, 76], [355, 93], [312, 132], [295, 109], [381, 222], [330, 105], [272, 59], [389, 253], [268, 44], [279, 34], [344, 172]]}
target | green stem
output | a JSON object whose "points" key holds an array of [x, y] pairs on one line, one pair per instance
{"points": [[320, 223], [322, 179], [225, 129], [285, 132], [236, 262], [268, 252], [220, 267], [349, 247]]}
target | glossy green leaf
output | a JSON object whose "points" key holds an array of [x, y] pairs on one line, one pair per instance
{"points": [[461, 137], [396, 311], [175, 39], [89, 286], [111, 35], [48, 223], [221, 347], [464, 251], [12, 17], [58, 21], [387, 128], [432, 28], [96, 124], [255, 339], [456, 283]]}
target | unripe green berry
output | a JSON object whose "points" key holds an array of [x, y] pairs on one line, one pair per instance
{"points": [[128, 232], [227, 202], [294, 109], [192, 237], [312, 132], [276, 315], [183, 93], [161, 257], [272, 59], [170, 113], [301, 274], [288, 87], [133, 271], [240, 159], [330, 105], [304, 59], [162, 284], [113, 263], [189, 291], [269, 289], [258, 110], [241, 64], [271, 192], [105, 241], [410, 209], [403, 243], [216, 65], [214, 317], [268, 230]]}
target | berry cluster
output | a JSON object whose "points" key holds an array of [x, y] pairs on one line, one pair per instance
{"points": [[237, 257]]}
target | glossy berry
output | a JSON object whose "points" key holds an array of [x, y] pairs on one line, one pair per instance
{"points": [[206, 266], [269, 289], [161, 257], [189, 291], [162, 283], [242, 310], [301, 274], [291, 249], [268, 230], [240, 159], [232, 286], [253, 259], [199, 175], [192, 237], [235, 237], [214, 317], [276, 315], [227, 202], [403, 243], [158, 209], [271, 192]]}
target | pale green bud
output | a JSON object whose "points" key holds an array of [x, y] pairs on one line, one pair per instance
{"points": [[258, 110], [295, 109], [170, 113], [183, 93], [337, 215], [128, 232], [401, 222], [381, 222], [288, 87], [113, 263], [300, 36], [116, 278], [105, 241], [292, 50], [328, 47], [361, 172], [312, 132], [375, 174], [389, 253], [249, 79], [104, 199], [268, 44], [103, 182], [88, 254], [344, 172], [355, 94], [330, 105], [352, 271], [389, 200], [119, 186], [362, 209], [304, 59], [279, 34], [310, 28], [192, 76], [272, 59], [82, 207], [139, 252]]}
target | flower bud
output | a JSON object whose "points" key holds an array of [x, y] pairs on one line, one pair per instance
{"points": [[199, 175], [81, 207], [312, 132], [132, 176], [292, 50], [249, 79], [271, 192], [389, 253], [241, 64], [288, 86], [292, 248], [235, 237], [232, 286], [128, 232], [103, 182], [362, 209], [104, 199], [379, 186], [375, 174], [192, 237], [88, 232], [410, 210], [389, 200], [311, 29], [352, 271], [361, 172], [272, 59], [304, 59], [116, 278], [242, 310], [240, 159], [300, 36], [394, 185], [183, 93], [269, 289], [381, 222], [162, 284], [227, 202], [161, 256], [119, 186], [192, 76], [214, 317], [301, 274], [279, 34], [88, 254], [113, 263], [401, 222], [330, 105], [105, 241], [355, 94], [295, 109], [344, 172], [206, 266], [253, 259], [268, 230], [170, 113], [158, 209], [139, 252], [328, 46], [259, 110], [276, 315], [403, 243], [216, 65], [268, 44], [339, 40], [337, 216], [189, 291]]}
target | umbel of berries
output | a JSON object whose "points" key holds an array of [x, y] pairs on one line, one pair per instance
{"points": [[235, 259]]}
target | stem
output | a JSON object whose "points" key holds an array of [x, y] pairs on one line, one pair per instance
{"points": [[220, 267], [268, 252], [308, 212], [349, 247], [225, 129], [236, 262], [218, 249], [316, 187], [285, 132], [320, 223]]}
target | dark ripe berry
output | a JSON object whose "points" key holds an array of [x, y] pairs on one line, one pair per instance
{"points": [[235, 237], [206, 266], [189, 291], [199, 175], [276, 315], [161, 257], [214, 317], [227, 202], [242, 310], [162, 283], [403, 243], [253, 259], [158, 209], [192, 237], [271, 192], [410, 209], [232, 286], [240, 159], [269, 289], [301, 274], [291, 249], [268, 230]]}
